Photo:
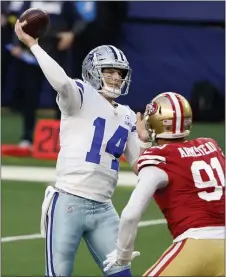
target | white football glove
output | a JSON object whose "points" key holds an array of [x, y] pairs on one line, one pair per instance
{"points": [[112, 259]]}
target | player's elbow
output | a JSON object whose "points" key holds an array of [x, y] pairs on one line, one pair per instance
{"points": [[61, 87], [62, 84], [130, 216]]}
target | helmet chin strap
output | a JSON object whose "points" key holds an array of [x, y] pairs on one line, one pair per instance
{"points": [[109, 91]]}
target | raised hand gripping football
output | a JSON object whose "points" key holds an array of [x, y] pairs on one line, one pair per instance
{"points": [[23, 37]]}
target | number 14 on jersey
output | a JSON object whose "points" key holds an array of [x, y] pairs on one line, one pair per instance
{"points": [[115, 145]]}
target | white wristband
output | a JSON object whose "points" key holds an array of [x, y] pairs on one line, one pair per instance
{"points": [[145, 145]]}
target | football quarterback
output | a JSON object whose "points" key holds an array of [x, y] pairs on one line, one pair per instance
{"points": [[186, 179], [94, 132]]}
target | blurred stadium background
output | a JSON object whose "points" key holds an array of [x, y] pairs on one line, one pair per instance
{"points": [[172, 46]]}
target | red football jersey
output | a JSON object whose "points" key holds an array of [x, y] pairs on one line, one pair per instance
{"points": [[195, 194]]}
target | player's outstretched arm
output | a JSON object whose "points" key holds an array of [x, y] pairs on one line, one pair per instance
{"points": [[150, 179], [70, 95]]}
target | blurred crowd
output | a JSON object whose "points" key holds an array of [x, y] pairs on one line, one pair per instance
{"points": [[171, 46], [76, 28]]}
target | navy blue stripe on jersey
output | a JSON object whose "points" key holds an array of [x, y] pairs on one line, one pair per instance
{"points": [[133, 129], [81, 91], [80, 85], [113, 50], [81, 97]]}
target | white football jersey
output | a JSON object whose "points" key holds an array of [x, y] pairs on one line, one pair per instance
{"points": [[93, 136]]}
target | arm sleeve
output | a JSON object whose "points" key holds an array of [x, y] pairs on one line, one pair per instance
{"points": [[150, 179], [217, 146], [70, 92]]}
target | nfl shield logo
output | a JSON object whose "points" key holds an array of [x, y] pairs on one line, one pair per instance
{"points": [[69, 209]]}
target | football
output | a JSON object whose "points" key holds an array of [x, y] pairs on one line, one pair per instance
{"points": [[35, 22]]}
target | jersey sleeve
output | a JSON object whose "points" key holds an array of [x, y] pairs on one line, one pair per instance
{"points": [[70, 92], [154, 156], [132, 150], [71, 100], [213, 141]]}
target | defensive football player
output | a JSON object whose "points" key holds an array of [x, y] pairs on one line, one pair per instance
{"points": [[94, 132], [186, 178]]}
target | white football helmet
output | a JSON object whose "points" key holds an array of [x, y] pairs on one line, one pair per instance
{"points": [[106, 56], [168, 116]]}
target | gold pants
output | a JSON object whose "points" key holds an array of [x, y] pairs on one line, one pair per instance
{"points": [[191, 257]]}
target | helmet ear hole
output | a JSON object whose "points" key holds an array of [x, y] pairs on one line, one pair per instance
{"points": [[160, 110]]}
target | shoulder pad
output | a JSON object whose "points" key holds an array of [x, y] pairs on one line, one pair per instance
{"points": [[152, 156]]}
